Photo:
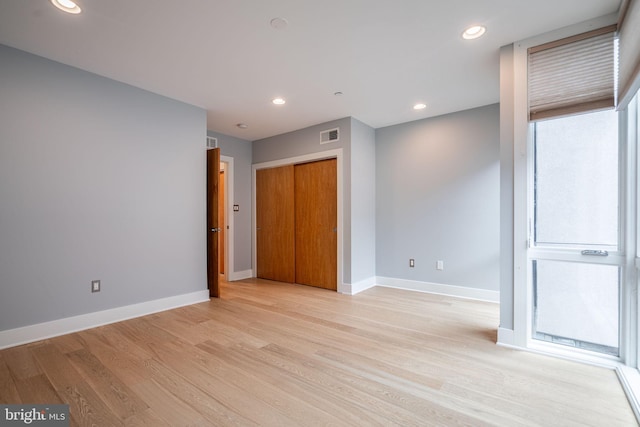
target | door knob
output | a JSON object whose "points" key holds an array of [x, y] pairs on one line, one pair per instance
{"points": [[215, 230]]}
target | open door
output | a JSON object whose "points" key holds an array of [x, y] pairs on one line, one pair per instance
{"points": [[213, 176]]}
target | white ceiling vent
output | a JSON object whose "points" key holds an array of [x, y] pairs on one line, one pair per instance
{"points": [[331, 135], [212, 142]]}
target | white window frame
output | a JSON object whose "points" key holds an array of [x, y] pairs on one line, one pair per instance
{"points": [[523, 170]]}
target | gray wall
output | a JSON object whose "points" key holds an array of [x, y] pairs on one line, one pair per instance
{"points": [[301, 142], [506, 186], [98, 180], [363, 202], [306, 141], [438, 198], [240, 150]]}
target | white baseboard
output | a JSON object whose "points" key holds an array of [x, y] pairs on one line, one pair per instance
{"points": [[630, 381], [54, 328], [437, 288], [506, 337], [354, 288], [240, 275]]}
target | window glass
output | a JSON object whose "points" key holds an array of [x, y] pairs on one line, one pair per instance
{"points": [[577, 304], [576, 180]]}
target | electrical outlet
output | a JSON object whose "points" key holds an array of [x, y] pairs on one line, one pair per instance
{"points": [[412, 263], [439, 265], [95, 286]]}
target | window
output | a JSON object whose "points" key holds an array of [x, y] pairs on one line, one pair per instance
{"points": [[575, 258], [576, 180]]}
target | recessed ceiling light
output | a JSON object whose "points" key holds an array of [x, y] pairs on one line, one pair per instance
{"points": [[279, 23], [67, 6], [242, 126], [420, 106], [278, 101], [473, 32], [337, 93]]}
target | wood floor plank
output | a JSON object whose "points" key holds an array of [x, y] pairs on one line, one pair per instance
{"points": [[186, 328], [38, 390], [269, 353], [121, 356], [20, 362], [147, 418], [122, 401], [222, 403], [85, 405], [231, 335], [69, 343], [167, 406], [395, 404], [8, 391], [229, 385], [291, 397]]}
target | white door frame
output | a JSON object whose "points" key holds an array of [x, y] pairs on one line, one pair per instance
{"points": [[228, 212]]}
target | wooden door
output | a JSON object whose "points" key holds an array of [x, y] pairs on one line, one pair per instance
{"points": [[275, 239], [213, 175], [316, 222]]}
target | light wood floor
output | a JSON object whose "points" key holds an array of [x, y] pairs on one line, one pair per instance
{"points": [[273, 354]]}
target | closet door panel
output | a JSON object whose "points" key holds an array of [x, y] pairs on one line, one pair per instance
{"points": [[275, 229], [316, 224]]}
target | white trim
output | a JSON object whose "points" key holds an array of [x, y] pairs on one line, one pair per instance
{"points": [[240, 275], [630, 380], [628, 221], [521, 323], [229, 262], [573, 353], [438, 288], [506, 337], [329, 154], [354, 288], [585, 357], [54, 328]]}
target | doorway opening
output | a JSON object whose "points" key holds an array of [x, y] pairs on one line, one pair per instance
{"points": [[219, 198], [226, 219], [222, 223]]}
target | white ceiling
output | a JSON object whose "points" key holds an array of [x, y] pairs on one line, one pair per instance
{"points": [[223, 55]]}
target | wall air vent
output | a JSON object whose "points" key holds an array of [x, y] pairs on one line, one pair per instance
{"points": [[212, 142], [331, 135]]}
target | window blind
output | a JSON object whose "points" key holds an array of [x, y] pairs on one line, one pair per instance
{"points": [[572, 75], [629, 55]]}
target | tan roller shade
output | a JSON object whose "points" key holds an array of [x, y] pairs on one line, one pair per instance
{"points": [[572, 75], [629, 52]]}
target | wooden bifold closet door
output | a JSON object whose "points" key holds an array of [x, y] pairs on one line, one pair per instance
{"points": [[275, 224], [316, 224], [296, 212]]}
